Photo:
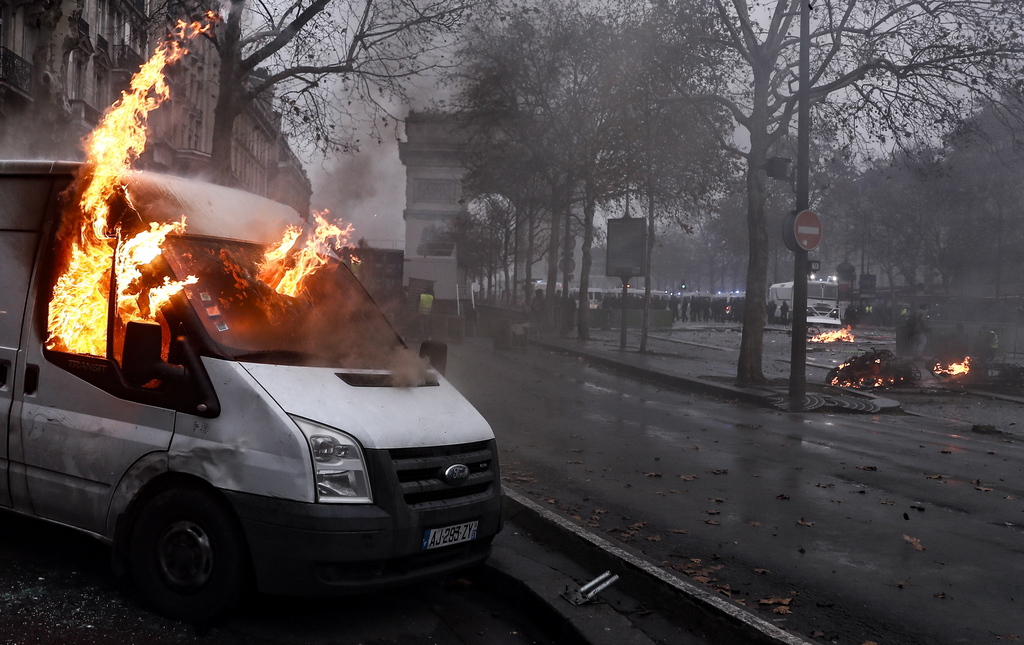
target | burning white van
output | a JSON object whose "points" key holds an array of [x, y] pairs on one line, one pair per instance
{"points": [[221, 434]]}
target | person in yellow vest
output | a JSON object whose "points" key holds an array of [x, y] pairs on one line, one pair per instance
{"points": [[425, 305]]}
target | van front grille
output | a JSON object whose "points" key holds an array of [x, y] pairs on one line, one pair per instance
{"points": [[420, 474]]}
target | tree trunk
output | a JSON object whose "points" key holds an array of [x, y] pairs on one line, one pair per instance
{"points": [[749, 370], [549, 296], [528, 269], [645, 319], [229, 104], [586, 261]]}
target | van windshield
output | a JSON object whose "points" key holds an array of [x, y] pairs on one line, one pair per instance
{"points": [[332, 322]]}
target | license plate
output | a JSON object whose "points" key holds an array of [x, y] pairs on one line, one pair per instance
{"points": [[433, 538]]}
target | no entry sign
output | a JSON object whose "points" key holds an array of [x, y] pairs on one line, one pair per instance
{"points": [[802, 231]]}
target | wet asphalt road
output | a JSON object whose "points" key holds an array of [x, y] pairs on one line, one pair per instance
{"points": [[56, 586], [845, 528]]}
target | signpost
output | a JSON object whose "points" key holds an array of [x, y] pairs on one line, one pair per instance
{"points": [[627, 257]]}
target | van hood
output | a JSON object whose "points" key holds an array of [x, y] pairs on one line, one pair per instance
{"points": [[380, 417]]}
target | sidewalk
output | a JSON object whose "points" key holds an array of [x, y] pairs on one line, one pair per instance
{"points": [[709, 367]]}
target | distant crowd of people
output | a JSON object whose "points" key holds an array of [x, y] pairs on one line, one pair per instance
{"points": [[686, 308]]}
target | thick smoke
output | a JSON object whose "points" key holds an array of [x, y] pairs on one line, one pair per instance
{"points": [[367, 190]]}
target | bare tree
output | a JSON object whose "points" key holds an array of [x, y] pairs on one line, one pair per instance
{"points": [[322, 61], [886, 70]]}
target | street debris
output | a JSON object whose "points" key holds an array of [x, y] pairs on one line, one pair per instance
{"points": [[915, 542]]}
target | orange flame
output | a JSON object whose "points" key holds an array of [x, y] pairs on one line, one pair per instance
{"points": [[306, 261], [843, 335], [77, 316], [954, 369]]}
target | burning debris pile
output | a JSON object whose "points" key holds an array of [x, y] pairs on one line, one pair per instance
{"points": [[873, 369], [843, 335]]}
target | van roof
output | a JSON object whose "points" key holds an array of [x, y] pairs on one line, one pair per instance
{"points": [[209, 209]]}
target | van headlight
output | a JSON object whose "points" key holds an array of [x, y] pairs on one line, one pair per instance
{"points": [[339, 469]]}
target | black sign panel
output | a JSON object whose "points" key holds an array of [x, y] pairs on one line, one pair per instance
{"points": [[627, 247]]}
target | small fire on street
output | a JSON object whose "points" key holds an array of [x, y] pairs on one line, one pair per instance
{"points": [[952, 369], [843, 335]]}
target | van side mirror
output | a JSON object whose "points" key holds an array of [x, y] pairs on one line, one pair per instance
{"points": [[436, 354], [141, 361]]}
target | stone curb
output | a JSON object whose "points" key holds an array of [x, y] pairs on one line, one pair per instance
{"points": [[722, 621]]}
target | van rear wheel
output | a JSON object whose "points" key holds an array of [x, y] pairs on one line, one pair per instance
{"points": [[188, 556]]}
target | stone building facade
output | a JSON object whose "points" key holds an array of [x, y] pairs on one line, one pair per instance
{"points": [[63, 62]]}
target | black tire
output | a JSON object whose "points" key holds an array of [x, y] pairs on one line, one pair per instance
{"points": [[188, 556]]}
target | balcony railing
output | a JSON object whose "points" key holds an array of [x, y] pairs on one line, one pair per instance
{"points": [[126, 58], [15, 70]]}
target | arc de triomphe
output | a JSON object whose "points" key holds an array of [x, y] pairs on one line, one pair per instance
{"points": [[433, 198]]}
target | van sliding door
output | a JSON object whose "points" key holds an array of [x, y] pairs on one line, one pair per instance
{"points": [[23, 201]]}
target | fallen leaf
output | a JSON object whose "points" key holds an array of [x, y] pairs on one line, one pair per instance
{"points": [[887, 502], [872, 468], [762, 571], [1007, 637], [946, 452], [1010, 497], [754, 524], [600, 511], [782, 496], [713, 511], [720, 471], [574, 462], [940, 595], [688, 478], [915, 541], [713, 522], [782, 610], [775, 600], [934, 477], [679, 531], [654, 538], [804, 522], [825, 485], [638, 525], [717, 500], [652, 475], [983, 489]]}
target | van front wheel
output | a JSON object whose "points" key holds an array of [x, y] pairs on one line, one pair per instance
{"points": [[188, 556]]}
